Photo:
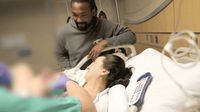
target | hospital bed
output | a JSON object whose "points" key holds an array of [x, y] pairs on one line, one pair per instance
{"points": [[125, 51], [172, 89]]}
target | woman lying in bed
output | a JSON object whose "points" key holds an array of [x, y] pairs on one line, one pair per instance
{"points": [[104, 73]]}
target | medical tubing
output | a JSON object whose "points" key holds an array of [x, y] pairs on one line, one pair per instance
{"points": [[188, 36], [168, 48]]}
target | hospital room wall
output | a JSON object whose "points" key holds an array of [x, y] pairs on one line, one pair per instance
{"points": [[31, 22], [177, 16], [36, 22]]}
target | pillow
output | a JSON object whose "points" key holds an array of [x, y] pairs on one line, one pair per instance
{"points": [[112, 99], [118, 99], [163, 95]]}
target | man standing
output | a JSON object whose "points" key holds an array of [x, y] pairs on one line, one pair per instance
{"points": [[76, 39]]}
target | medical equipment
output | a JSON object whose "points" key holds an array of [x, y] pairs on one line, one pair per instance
{"points": [[183, 53], [142, 84]]}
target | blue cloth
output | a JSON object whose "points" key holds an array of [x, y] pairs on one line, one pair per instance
{"points": [[59, 86], [5, 76]]}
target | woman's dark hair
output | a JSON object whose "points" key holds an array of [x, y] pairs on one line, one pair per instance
{"points": [[91, 3], [119, 74]]}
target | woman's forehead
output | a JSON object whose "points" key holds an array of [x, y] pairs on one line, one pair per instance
{"points": [[101, 58]]}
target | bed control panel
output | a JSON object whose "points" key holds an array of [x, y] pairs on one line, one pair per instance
{"points": [[140, 90]]}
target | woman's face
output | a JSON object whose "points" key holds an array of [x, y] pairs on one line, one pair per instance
{"points": [[96, 69]]}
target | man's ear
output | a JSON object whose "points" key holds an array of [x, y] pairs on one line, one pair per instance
{"points": [[94, 12]]}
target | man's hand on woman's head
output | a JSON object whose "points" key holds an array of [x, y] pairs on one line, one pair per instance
{"points": [[96, 50]]}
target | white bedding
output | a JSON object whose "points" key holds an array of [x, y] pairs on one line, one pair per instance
{"points": [[163, 95]]}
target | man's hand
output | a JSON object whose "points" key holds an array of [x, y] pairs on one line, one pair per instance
{"points": [[96, 50]]}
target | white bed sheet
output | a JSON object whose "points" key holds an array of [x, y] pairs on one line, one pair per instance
{"points": [[163, 95]]}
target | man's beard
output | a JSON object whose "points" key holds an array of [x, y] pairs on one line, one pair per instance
{"points": [[83, 26]]}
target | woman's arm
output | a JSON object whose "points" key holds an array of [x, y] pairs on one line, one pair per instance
{"points": [[75, 90]]}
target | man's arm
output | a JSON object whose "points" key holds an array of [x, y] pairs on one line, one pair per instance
{"points": [[62, 53], [120, 36]]}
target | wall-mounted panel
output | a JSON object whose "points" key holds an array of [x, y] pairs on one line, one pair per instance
{"points": [[198, 40], [151, 40], [158, 41]]}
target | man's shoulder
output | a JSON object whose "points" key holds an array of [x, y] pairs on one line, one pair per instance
{"points": [[104, 21], [107, 23], [64, 30]]}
